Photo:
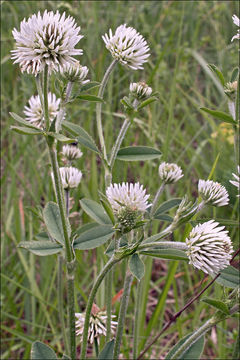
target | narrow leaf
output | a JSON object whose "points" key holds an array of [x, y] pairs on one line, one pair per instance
{"points": [[41, 351], [220, 305], [219, 115], [163, 217], [41, 247], [107, 351], [229, 277], [82, 136], [194, 351], [23, 121], [136, 266], [93, 238], [217, 72], [170, 254], [167, 205], [26, 130], [234, 74], [147, 102], [95, 211], [52, 219], [88, 97], [61, 137], [138, 153], [90, 85]]}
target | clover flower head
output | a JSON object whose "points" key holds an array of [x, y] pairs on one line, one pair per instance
{"points": [[34, 112], [71, 152], [236, 21], [169, 173], [140, 90], [97, 325], [75, 72], [70, 177], [47, 39], [209, 247], [213, 193], [236, 183], [127, 46]]}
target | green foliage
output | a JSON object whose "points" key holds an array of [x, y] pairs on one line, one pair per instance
{"points": [[95, 211], [219, 115], [82, 136], [217, 304], [41, 351], [52, 219], [229, 277], [107, 351], [93, 238], [136, 266], [170, 254], [138, 153], [41, 247], [193, 352], [166, 206]]}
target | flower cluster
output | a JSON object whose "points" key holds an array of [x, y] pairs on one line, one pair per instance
{"points": [[75, 73], [47, 39], [34, 111], [70, 177], [236, 21], [71, 152], [237, 182], [140, 90], [209, 247], [213, 193], [170, 173], [97, 325], [127, 46]]}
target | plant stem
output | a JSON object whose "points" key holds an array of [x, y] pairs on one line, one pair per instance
{"points": [[137, 319], [45, 97], [96, 346], [91, 297], [118, 142], [99, 108], [39, 89], [62, 111], [60, 302], [108, 300], [122, 314], [157, 196], [164, 245]]}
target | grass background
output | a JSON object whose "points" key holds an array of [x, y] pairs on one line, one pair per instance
{"points": [[183, 37]]}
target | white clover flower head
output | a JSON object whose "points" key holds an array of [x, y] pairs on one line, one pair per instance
{"points": [[97, 324], [47, 39], [213, 193], [140, 90], [209, 247], [75, 72], [70, 177], [230, 87], [71, 152], [236, 183], [236, 21], [170, 173], [127, 46], [34, 112]]}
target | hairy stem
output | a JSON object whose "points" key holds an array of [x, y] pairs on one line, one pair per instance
{"points": [[108, 300], [45, 97], [164, 245], [122, 314], [155, 201], [60, 302], [62, 111], [118, 142], [137, 319]]}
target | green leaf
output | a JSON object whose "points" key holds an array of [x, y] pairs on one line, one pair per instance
{"points": [[138, 153], [219, 115], [126, 102], [88, 97], [111, 247], [66, 357], [93, 238], [61, 137], [163, 217], [26, 130], [42, 236], [170, 254], [82, 136], [229, 277], [136, 266], [234, 74], [146, 102], [95, 211], [194, 351], [85, 227], [53, 222], [107, 351], [167, 205], [41, 351], [217, 72], [23, 121], [220, 305], [90, 85], [41, 247]]}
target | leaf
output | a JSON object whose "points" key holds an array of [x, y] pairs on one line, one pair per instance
{"points": [[42, 236], [229, 277], [41, 351], [88, 97], [61, 137], [170, 254], [66, 357], [167, 205], [136, 266], [220, 305], [26, 130], [126, 102], [95, 211], [219, 115], [217, 72], [85, 227], [107, 351], [163, 217], [146, 102], [194, 351], [234, 74], [23, 121], [138, 153], [53, 222], [82, 136], [93, 238], [90, 85], [41, 247], [110, 249]]}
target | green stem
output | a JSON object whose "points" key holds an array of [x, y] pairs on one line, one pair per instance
{"points": [[96, 346], [122, 314], [108, 299], [60, 302], [45, 97], [91, 297], [157, 196], [118, 142], [137, 319], [164, 245], [62, 111], [39, 89], [99, 108]]}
